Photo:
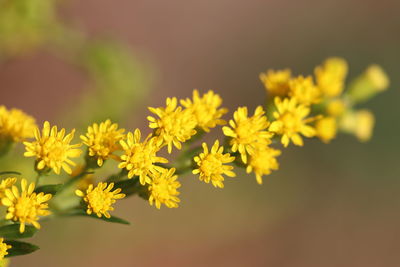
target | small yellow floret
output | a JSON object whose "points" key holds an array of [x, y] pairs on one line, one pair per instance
{"points": [[360, 123], [5, 184], [246, 133], [25, 206], [100, 199], [15, 125], [163, 189], [102, 140], [378, 77], [336, 108], [140, 158], [211, 165], [276, 82], [52, 149], [263, 162], [331, 76], [3, 248], [304, 90], [290, 121], [326, 129], [174, 125]]}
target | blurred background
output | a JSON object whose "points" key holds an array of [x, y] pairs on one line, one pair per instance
{"points": [[328, 205]]}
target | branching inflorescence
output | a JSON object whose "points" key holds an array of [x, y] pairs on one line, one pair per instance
{"points": [[296, 108]]}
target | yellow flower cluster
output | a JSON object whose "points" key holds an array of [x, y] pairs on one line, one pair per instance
{"points": [[15, 125], [3, 248]]}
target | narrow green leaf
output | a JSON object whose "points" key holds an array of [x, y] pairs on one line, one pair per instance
{"points": [[10, 172], [49, 189], [129, 186], [112, 219], [12, 231], [19, 248]]}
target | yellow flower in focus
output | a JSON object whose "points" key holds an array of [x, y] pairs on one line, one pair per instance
{"points": [[291, 121], [15, 125], [326, 129], [52, 149], [163, 189], [211, 165], [263, 162], [174, 125], [360, 123], [336, 107], [3, 248], [5, 184], [206, 109], [100, 199], [140, 158], [331, 76], [103, 140], [304, 90], [247, 132], [25, 206], [276, 82]]}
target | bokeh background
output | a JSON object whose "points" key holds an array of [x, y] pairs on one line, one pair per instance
{"points": [[329, 205]]}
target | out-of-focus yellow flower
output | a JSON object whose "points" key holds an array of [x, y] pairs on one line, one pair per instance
{"points": [[304, 90], [206, 109], [290, 121], [15, 125], [246, 133], [331, 75], [326, 129], [100, 199], [211, 165], [5, 184], [263, 162], [102, 140], [336, 108], [52, 149], [163, 189], [360, 123], [174, 125], [378, 77], [3, 248], [140, 158], [276, 82], [25, 206]]}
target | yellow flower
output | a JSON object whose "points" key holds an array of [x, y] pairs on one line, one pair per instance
{"points": [[5, 184], [15, 125], [276, 82], [326, 129], [263, 161], [100, 199], [25, 206], [174, 125], [140, 158], [3, 248], [247, 132], [290, 121], [103, 140], [304, 90], [211, 165], [52, 149], [360, 123], [163, 189], [205, 109], [378, 77], [336, 108], [331, 76]]}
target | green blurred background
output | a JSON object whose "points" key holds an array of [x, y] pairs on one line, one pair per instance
{"points": [[328, 205]]}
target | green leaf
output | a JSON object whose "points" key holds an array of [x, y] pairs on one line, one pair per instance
{"points": [[112, 219], [129, 186], [10, 172], [19, 248], [12, 231], [49, 189]]}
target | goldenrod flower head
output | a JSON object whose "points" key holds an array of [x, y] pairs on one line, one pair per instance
{"points": [[326, 129], [174, 125], [291, 121], [140, 158], [247, 132], [336, 107], [52, 149], [5, 184], [211, 165], [331, 76], [360, 123], [15, 125], [378, 77], [163, 189], [3, 248], [304, 90], [100, 199], [263, 162], [103, 140], [276, 82], [206, 109], [25, 206]]}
